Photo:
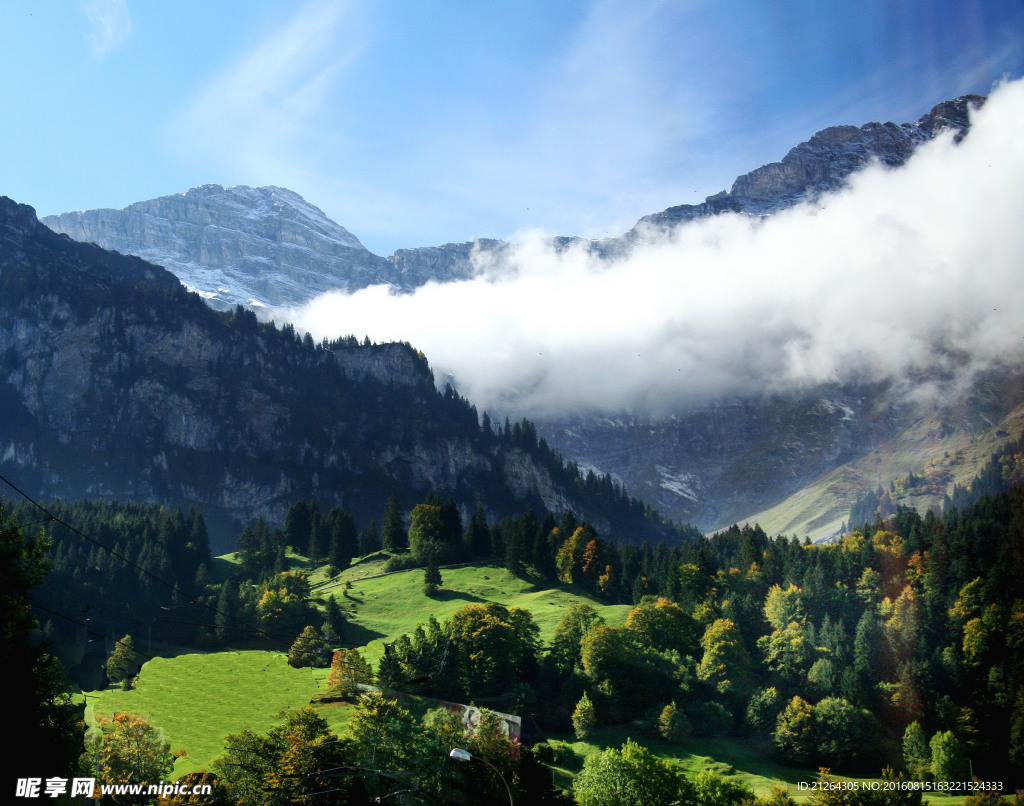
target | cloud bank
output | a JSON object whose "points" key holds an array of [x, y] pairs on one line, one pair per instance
{"points": [[914, 272]]}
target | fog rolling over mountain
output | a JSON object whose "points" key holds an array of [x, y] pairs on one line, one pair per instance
{"points": [[720, 357], [720, 363]]}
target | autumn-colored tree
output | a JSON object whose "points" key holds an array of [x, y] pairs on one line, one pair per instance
{"points": [[794, 732], [725, 663], [349, 670], [278, 767], [784, 606], [131, 750], [495, 647], [663, 625], [308, 649], [283, 606]]}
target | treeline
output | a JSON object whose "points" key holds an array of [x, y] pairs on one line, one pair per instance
{"points": [[383, 418]]}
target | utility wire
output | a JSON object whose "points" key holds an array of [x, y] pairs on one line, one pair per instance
{"points": [[91, 631]]}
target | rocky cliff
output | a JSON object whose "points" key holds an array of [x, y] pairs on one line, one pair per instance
{"points": [[116, 382]]}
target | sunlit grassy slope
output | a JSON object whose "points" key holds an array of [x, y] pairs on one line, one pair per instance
{"points": [[927, 448], [198, 699], [382, 608]]}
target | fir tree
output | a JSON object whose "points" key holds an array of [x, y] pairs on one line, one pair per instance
{"points": [[393, 532]]}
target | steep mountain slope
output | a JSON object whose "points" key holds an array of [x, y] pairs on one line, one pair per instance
{"points": [[259, 247], [117, 382]]}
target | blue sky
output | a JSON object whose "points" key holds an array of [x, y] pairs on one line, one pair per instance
{"points": [[416, 123]]}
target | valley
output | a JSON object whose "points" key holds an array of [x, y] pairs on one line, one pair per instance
{"points": [[306, 567]]}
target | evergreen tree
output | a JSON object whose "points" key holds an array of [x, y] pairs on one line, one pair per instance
{"points": [[584, 717], [477, 538], [308, 650], [393, 532], [431, 579], [122, 664], [369, 539]]}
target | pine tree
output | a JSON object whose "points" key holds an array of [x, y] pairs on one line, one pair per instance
{"points": [[431, 579], [393, 533], [369, 540], [584, 717]]}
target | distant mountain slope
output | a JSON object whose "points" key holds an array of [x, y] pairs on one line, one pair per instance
{"points": [[118, 383], [939, 449]]}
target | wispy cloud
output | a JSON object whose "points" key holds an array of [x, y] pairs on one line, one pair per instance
{"points": [[908, 273], [110, 24], [262, 115]]}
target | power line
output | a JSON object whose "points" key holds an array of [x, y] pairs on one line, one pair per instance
{"points": [[192, 600], [91, 631]]}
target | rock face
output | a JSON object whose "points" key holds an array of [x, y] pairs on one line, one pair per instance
{"points": [[117, 382], [716, 464], [453, 261], [258, 247]]}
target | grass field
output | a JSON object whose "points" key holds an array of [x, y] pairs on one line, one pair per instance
{"points": [[385, 607], [199, 699]]}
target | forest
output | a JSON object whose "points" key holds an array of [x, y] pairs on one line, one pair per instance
{"points": [[894, 652]]}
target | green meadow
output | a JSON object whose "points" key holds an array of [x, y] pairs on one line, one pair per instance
{"points": [[199, 699], [385, 607]]}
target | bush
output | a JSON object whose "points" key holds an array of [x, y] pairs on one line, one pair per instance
{"points": [[709, 718]]}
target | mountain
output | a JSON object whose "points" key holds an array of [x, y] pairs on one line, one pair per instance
{"points": [[119, 383], [725, 461], [259, 247], [797, 463]]}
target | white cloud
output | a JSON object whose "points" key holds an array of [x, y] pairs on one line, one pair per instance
{"points": [[908, 272], [110, 24]]}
